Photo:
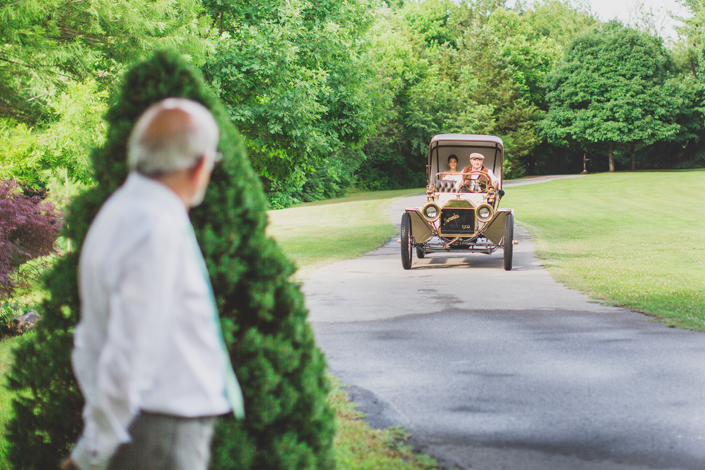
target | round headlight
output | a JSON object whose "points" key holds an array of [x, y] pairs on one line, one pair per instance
{"points": [[431, 211], [484, 213]]}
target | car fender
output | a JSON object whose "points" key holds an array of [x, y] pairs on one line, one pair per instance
{"points": [[421, 229], [494, 232]]}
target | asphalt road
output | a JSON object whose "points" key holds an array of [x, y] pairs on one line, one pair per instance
{"points": [[493, 370]]}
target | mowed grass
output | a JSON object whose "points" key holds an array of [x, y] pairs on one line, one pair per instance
{"points": [[320, 233], [631, 239]]}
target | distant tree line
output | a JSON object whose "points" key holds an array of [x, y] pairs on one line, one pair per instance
{"points": [[333, 94]]}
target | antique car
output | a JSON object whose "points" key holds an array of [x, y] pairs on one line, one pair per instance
{"points": [[462, 213]]}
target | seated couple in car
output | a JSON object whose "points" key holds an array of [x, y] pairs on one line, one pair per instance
{"points": [[473, 177]]}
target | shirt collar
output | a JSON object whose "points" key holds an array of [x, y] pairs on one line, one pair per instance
{"points": [[156, 192]]}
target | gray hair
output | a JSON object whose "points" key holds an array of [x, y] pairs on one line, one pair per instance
{"points": [[172, 135]]}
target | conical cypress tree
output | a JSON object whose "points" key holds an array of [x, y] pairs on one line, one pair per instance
{"points": [[289, 424]]}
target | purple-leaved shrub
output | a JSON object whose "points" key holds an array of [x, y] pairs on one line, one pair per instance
{"points": [[28, 229]]}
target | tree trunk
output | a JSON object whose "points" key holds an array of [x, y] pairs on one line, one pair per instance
{"points": [[611, 158], [632, 151]]}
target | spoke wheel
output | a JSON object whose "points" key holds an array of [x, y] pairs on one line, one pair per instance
{"points": [[406, 252], [508, 242]]}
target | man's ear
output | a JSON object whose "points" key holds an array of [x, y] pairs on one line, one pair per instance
{"points": [[196, 171]]}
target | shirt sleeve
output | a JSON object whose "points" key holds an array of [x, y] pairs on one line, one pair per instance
{"points": [[493, 178], [139, 302]]}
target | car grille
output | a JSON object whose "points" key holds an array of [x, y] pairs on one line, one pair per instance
{"points": [[458, 221]]}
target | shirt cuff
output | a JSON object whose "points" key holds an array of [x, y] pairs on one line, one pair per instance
{"points": [[89, 459]]}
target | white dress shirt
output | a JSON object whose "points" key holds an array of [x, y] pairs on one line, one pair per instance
{"points": [[147, 339]]}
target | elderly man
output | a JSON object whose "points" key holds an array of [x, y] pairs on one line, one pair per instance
{"points": [[477, 169], [148, 352]]}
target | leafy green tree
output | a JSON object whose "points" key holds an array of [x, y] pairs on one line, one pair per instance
{"points": [[454, 67], [611, 90], [560, 20], [293, 79], [503, 87], [34, 154], [433, 20], [59, 61], [690, 52], [289, 424], [528, 54], [425, 91]]}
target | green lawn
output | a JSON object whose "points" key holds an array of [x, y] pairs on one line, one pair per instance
{"points": [[323, 232], [630, 239]]}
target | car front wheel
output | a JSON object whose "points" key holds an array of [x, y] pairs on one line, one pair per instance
{"points": [[406, 252], [508, 241]]}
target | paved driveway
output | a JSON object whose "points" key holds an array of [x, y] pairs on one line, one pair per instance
{"points": [[508, 370]]}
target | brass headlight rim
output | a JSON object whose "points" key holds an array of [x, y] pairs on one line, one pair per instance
{"points": [[484, 220], [438, 212]]}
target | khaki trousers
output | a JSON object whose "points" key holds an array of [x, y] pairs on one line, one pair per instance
{"points": [[164, 442]]}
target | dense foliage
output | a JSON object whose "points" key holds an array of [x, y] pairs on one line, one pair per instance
{"points": [[289, 424], [612, 89], [28, 230], [293, 79], [452, 68], [340, 93], [58, 63]]}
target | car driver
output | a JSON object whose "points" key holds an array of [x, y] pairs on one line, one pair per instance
{"points": [[477, 169]]}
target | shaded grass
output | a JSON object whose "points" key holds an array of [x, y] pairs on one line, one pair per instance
{"points": [[631, 239], [360, 448], [324, 232]]}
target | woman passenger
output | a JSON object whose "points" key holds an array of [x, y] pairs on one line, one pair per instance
{"points": [[453, 174]]}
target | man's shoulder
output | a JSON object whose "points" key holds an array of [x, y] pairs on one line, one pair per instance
{"points": [[124, 208], [130, 218]]}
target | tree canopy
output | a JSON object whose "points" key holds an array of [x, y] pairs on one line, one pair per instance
{"points": [[58, 64], [293, 79], [347, 92], [612, 89]]}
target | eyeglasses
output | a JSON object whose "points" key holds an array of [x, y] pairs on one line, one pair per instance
{"points": [[217, 158]]}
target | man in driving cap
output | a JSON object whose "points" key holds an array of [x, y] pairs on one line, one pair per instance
{"points": [[477, 169]]}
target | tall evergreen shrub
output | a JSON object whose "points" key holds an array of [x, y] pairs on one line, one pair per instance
{"points": [[289, 424]]}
